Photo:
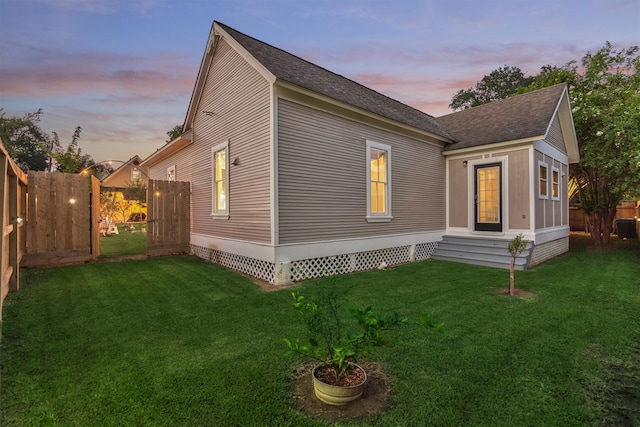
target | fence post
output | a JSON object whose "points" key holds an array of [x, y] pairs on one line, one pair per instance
{"points": [[12, 193], [14, 237]]}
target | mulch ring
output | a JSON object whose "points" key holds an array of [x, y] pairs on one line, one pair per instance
{"points": [[520, 293], [373, 400]]}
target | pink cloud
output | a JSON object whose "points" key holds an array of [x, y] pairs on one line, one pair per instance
{"points": [[113, 134], [71, 74], [421, 91], [426, 76]]}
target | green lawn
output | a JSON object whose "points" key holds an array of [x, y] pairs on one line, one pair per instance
{"points": [[125, 243], [174, 341]]}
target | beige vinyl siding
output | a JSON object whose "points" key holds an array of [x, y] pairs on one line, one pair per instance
{"points": [[549, 218], [122, 177], [237, 98], [554, 136], [518, 185], [564, 193], [322, 178], [560, 207], [459, 192], [182, 162], [549, 212]]}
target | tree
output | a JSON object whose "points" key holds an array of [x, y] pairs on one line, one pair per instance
{"points": [[499, 84], [125, 207], [99, 170], [516, 246], [175, 132], [119, 205], [136, 190], [70, 160], [24, 140], [605, 96], [109, 204]]}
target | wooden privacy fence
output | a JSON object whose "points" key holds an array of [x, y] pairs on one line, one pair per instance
{"points": [[168, 217], [13, 185], [63, 211], [578, 219]]}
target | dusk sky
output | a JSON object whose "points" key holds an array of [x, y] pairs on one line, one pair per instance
{"points": [[124, 70]]}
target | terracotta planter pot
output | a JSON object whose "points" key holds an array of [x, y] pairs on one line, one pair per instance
{"points": [[337, 395]]}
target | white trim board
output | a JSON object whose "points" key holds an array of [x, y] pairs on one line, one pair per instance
{"points": [[310, 250]]}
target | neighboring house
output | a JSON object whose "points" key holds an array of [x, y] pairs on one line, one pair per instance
{"points": [[125, 184], [128, 172], [297, 172]]}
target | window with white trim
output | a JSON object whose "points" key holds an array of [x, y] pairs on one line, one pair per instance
{"points": [[220, 180], [171, 173], [555, 183], [136, 175], [379, 182], [543, 180]]}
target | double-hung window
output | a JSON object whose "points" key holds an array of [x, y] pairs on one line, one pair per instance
{"points": [[171, 173], [220, 181], [379, 182], [555, 183], [543, 180]]}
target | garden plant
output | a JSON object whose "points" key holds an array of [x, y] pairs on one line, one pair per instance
{"points": [[337, 346], [178, 341]]}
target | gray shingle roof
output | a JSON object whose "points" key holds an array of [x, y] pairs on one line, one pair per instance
{"points": [[518, 117], [299, 72]]}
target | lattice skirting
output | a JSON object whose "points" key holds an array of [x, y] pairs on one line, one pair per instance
{"points": [[262, 270], [317, 267]]}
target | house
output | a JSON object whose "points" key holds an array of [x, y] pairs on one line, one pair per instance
{"points": [[297, 172], [126, 187], [507, 173]]}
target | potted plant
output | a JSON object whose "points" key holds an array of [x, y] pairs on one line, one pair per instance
{"points": [[337, 378]]}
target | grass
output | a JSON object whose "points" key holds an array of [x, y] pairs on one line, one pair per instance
{"points": [[125, 243], [180, 342]]}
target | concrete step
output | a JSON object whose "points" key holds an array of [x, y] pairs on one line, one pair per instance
{"points": [[489, 252]]}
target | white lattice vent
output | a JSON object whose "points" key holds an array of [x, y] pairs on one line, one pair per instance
{"points": [[425, 250], [319, 267], [341, 264], [373, 259], [262, 270]]}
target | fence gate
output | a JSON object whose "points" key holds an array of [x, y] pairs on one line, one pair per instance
{"points": [[168, 217], [63, 211]]}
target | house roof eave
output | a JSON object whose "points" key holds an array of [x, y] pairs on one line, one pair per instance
{"points": [[328, 101], [276, 64], [203, 71], [120, 168], [217, 32], [168, 149], [452, 151], [569, 135]]}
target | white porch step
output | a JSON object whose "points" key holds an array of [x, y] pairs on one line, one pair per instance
{"points": [[488, 252]]}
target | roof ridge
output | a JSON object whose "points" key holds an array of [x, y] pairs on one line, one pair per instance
{"points": [[509, 98], [322, 68], [518, 117], [326, 70]]}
